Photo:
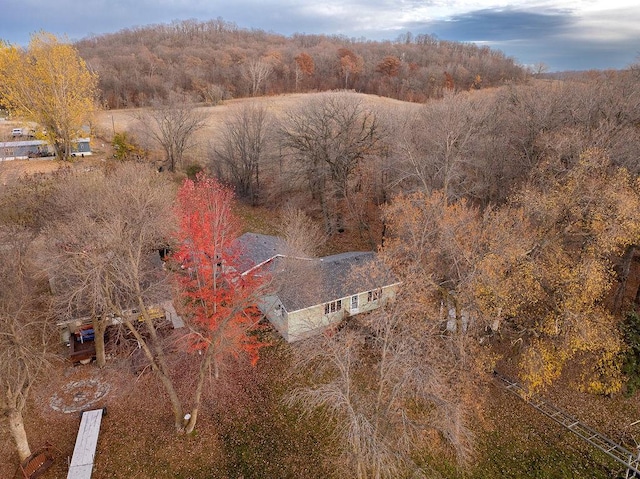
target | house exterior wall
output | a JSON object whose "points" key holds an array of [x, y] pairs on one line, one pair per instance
{"points": [[21, 150], [275, 312], [307, 322]]}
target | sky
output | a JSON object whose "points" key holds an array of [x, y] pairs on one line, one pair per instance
{"points": [[559, 34]]}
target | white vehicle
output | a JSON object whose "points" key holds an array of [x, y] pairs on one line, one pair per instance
{"points": [[16, 132]]}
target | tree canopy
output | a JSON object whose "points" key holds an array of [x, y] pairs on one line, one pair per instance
{"points": [[218, 297], [48, 83], [539, 268]]}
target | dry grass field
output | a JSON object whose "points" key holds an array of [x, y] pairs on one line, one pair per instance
{"points": [[121, 120], [106, 122]]}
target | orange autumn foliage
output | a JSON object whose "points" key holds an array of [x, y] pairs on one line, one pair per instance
{"points": [[218, 298]]}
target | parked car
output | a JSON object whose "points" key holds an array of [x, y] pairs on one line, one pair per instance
{"points": [[16, 132]]}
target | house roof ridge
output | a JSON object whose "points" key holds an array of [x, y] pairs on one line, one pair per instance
{"points": [[347, 255]]}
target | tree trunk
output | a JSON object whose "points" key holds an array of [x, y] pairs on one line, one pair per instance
{"points": [[16, 426], [202, 375], [99, 328], [159, 366], [162, 368], [158, 361], [623, 276]]}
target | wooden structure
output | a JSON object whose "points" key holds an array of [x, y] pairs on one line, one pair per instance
{"points": [[37, 463], [85, 449], [81, 352], [81, 345], [614, 450], [78, 333]]}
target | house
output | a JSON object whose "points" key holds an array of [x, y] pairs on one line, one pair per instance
{"points": [[22, 150], [310, 294]]}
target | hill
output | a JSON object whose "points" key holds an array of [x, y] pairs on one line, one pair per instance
{"points": [[215, 60]]}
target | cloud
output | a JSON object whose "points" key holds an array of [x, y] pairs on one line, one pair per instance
{"points": [[499, 25], [565, 34], [560, 38]]}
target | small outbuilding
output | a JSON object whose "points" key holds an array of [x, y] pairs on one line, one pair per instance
{"points": [[81, 147], [22, 150]]}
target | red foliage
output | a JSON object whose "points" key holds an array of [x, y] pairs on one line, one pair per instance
{"points": [[305, 63], [389, 66], [218, 299]]}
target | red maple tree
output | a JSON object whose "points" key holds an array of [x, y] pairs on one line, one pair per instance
{"points": [[218, 299]]}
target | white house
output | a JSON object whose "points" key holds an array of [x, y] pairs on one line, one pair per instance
{"points": [[310, 294], [22, 150]]}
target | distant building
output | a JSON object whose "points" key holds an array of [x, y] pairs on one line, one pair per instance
{"points": [[22, 150], [81, 147]]}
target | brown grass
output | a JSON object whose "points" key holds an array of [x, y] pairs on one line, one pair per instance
{"points": [[243, 431], [108, 121]]}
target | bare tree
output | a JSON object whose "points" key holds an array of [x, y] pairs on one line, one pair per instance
{"points": [[104, 257], [242, 149], [390, 381], [438, 147], [172, 127], [329, 137], [25, 335], [539, 68], [82, 253], [350, 64], [302, 235], [257, 71]]}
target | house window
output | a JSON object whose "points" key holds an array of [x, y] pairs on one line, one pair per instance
{"points": [[374, 295], [333, 306], [354, 302]]}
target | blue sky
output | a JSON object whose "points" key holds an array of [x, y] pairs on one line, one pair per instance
{"points": [[564, 35]]}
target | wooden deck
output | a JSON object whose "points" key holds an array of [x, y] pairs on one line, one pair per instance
{"points": [[81, 351], [85, 449], [171, 315]]}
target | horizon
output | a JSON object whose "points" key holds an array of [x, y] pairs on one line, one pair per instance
{"points": [[573, 35]]}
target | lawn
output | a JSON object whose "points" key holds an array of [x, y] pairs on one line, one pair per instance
{"points": [[245, 431]]}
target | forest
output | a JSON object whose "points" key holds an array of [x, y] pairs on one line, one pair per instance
{"points": [[215, 60], [507, 205]]}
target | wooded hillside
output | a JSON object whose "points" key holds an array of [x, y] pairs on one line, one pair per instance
{"points": [[215, 60]]}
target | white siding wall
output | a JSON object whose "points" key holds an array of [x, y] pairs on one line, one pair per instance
{"points": [[272, 308], [307, 322]]}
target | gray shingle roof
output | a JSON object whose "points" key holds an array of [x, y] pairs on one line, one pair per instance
{"points": [[302, 283], [255, 248]]}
